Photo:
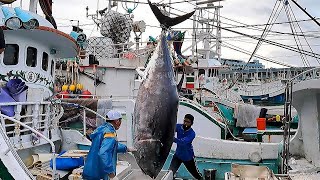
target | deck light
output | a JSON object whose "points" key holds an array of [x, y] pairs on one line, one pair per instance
{"points": [[11, 20], [79, 37], [28, 21]]}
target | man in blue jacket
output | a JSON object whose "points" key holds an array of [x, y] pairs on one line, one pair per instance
{"points": [[102, 158], [184, 152]]}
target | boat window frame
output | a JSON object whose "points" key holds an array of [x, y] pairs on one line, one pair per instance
{"points": [[52, 67], [210, 73], [36, 56], [17, 51], [201, 71], [42, 61]]}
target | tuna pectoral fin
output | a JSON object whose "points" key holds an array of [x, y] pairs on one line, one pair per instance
{"points": [[165, 20]]}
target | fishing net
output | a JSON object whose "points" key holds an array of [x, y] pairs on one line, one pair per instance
{"points": [[101, 47], [116, 26]]}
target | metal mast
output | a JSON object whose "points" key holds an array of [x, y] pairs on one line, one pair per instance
{"points": [[286, 130]]}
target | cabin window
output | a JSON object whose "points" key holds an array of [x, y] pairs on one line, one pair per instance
{"points": [[31, 57], [45, 60], [52, 67], [11, 54], [201, 71]]}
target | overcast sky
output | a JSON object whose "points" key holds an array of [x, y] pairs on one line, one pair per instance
{"points": [[244, 11]]}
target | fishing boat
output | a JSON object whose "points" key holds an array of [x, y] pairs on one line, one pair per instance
{"points": [[34, 145], [37, 129]]}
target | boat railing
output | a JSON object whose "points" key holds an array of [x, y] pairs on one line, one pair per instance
{"points": [[4, 118], [39, 115], [215, 115], [266, 88], [106, 50], [195, 103], [85, 109], [93, 96], [313, 73], [229, 95]]}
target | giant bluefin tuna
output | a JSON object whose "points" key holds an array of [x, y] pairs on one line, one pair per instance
{"points": [[156, 106]]}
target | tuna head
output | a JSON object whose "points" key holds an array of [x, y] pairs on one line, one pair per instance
{"points": [[148, 156]]}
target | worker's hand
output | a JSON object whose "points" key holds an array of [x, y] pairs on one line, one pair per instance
{"points": [[114, 178], [131, 149], [111, 176]]}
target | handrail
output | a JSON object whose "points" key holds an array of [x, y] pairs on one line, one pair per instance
{"points": [[293, 79], [92, 96], [14, 153], [42, 136], [122, 46], [84, 114], [195, 103], [304, 72]]}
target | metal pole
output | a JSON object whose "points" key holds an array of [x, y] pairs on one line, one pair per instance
{"points": [[84, 123], [286, 131], [218, 36], [194, 35], [33, 6]]}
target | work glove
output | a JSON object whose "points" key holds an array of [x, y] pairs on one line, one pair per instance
{"points": [[131, 149], [115, 178]]}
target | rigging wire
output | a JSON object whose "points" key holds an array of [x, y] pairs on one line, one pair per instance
{"points": [[274, 32], [273, 43], [233, 47], [317, 59], [276, 23], [224, 18], [264, 40], [296, 39], [130, 10], [252, 28], [306, 12], [272, 17]]}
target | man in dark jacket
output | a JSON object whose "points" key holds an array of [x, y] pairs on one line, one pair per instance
{"points": [[184, 152]]}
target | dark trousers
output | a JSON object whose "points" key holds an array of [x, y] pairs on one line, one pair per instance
{"points": [[190, 165]]}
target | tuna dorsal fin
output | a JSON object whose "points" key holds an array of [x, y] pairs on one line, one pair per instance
{"points": [[166, 21]]}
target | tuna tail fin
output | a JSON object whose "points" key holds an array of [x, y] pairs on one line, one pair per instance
{"points": [[166, 21]]}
